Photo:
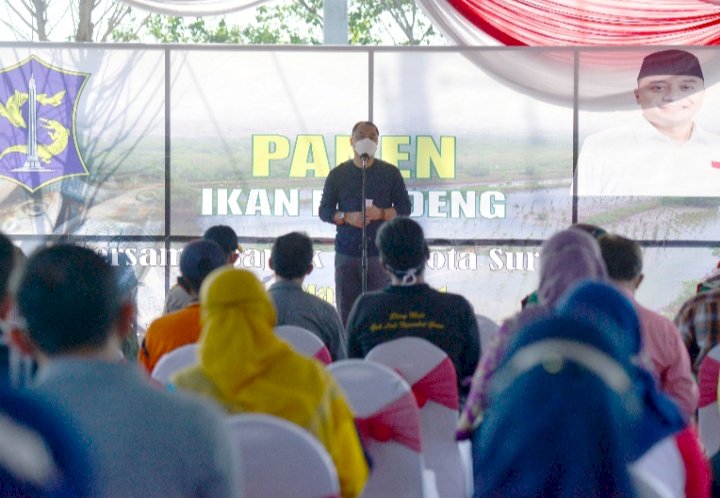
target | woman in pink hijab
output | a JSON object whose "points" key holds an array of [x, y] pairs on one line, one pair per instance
{"points": [[566, 258]]}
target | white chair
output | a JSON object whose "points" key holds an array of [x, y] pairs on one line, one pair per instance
{"points": [[387, 417], [304, 342], [487, 328], [708, 414], [175, 360], [282, 460], [433, 380]]}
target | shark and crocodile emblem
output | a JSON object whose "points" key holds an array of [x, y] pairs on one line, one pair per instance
{"points": [[38, 104]]}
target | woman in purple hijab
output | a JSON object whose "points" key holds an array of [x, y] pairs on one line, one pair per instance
{"points": [[567, 257]]}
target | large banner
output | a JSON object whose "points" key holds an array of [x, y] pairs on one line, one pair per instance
{"points": [[136, 150]]}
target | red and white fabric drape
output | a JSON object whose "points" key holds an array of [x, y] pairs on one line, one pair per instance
{"points": [[547, 75], [577, 22]]}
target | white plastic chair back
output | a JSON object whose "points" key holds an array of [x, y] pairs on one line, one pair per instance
{"points": [[373, 391], [304, 342], [175, 360], [282, 460], [433, 380], [487, 328], [648, 486], [708, 414]]}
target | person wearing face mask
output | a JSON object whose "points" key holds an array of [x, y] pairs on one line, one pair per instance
{"points": [[385, 198], [663, 152], [410, 307]]}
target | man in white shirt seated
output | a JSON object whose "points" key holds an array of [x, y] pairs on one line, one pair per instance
{"points": [[664, 152]]}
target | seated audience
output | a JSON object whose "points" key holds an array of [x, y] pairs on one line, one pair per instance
{"points": [[127, 283], [664, 446], [565, 258], [593, 230], [182, 327], [16, 364], [410, 307], [699, 324], [180, 295], [245, 367], [141, 441], [291, 259], [557, 421], [40, 453], [661, 339]]}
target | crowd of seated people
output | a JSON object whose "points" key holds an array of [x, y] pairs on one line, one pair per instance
{"points": [[584, 392]]}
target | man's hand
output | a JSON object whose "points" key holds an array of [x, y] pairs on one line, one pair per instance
{"points": [[373, 213], [354, 218]]}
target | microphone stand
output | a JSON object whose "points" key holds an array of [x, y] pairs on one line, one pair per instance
{"points": [[363, 259]]}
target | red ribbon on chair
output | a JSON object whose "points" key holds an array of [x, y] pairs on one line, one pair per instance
{"points": [[397, 421], [438, 385], [323, 355]]}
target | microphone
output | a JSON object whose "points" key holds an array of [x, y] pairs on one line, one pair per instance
{"points": [[365, 156]]}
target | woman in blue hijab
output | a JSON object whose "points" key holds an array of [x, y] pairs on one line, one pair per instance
{"points": [[557, 424], [662, 443]]}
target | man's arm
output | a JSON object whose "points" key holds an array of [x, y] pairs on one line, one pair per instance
{"points": [[399, 197], [677, 380], [471, 354], [330, 199], [352, 331]]}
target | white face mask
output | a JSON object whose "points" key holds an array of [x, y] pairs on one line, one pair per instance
{"points": [[366, 146]]}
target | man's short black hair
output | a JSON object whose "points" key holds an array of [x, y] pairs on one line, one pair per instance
{"points": [[361, 123], [69, 298], [224, 236], [7, 263], [622, 256], [402, 245], [292, 254]]}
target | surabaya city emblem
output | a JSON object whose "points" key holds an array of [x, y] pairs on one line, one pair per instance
{"points": [[38, 103]]}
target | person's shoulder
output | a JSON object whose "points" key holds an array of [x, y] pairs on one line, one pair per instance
{"points": [[183, 315], [342, 167], [385, 166], [612, 137], [704, 136]]}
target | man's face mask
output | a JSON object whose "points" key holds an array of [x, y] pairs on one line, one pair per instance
{"points": [[366, 146]]}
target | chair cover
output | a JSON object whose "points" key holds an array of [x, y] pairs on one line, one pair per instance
{"points": [[432, 377], [387, 418], [282, 460], [175, 360], [487, 328], [304, 342]]}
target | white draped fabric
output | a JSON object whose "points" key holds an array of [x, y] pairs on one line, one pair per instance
{"points": [[194, 7], [548, 75]]}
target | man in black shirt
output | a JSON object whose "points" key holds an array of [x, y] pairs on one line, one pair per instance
{"points": [[341, 204], [409, 307]]}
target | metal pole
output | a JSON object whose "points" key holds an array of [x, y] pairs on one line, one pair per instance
{"points": [[335, 22]]}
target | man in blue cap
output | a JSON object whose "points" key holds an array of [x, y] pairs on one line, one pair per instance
{"points": [[664, 152]]}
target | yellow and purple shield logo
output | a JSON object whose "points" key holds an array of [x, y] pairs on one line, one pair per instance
{"points": [[38, 103]]}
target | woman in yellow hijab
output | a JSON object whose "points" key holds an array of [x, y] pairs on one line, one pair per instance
{"points": [[245, 367]]}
